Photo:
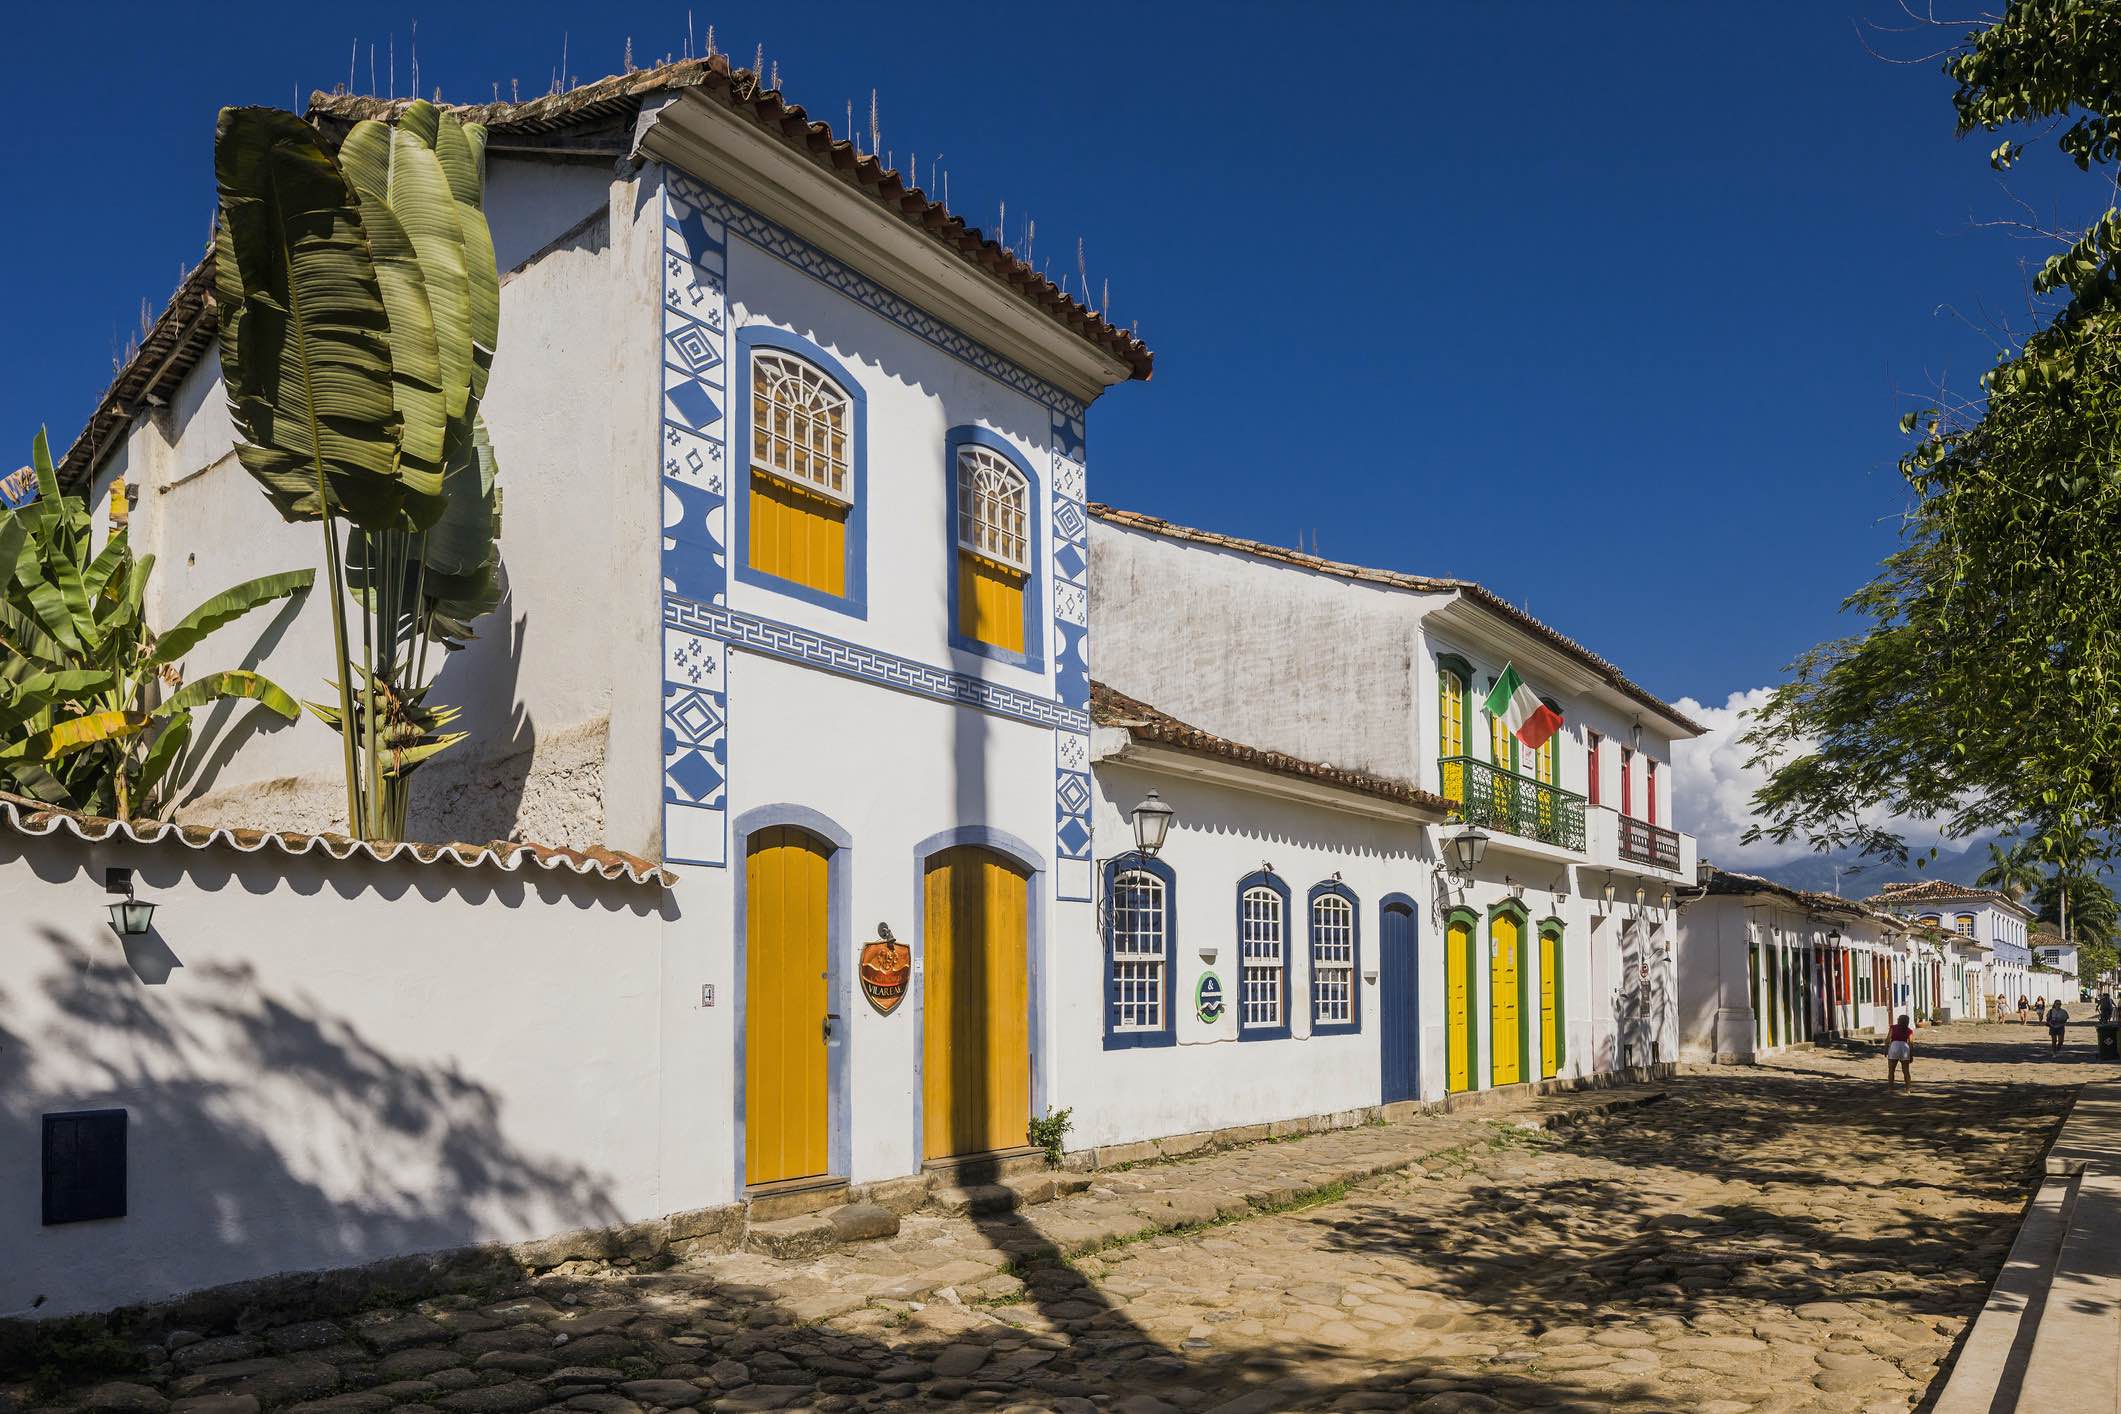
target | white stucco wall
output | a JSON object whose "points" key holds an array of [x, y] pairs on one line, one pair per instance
{"points": [[1272, 655], [570, 408], [328, 1063], [1210, 1079]]}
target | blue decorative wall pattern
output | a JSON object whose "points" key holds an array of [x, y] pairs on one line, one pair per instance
{"points": [[699, 627], [695, 558]]}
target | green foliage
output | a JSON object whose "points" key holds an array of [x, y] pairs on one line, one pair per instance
{"points": [[2014, 870], [1985, 691], [95, 712], [2093, 914], [376, 265], [1049, 1131]]}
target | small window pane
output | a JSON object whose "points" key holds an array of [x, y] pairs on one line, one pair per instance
{"points": [[993, 508], [1138, 959], [1260, 959], [800, 421], [1332, 960]]}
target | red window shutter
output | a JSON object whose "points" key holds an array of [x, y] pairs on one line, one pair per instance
{"points": [[1595, 740], [1649, 788], [1627, 782]]}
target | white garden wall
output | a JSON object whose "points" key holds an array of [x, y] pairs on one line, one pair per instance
{"points": [[325, 1063]]}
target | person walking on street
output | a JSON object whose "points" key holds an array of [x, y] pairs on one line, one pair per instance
{"points": [[1900, 1051], [2106, 1008], [2025, 1009], [2057, 1024]]}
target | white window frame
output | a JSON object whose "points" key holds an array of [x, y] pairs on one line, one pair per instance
{"points": [[993, 507], [819, 415], [1140, 954], [1332, 959], [1256, 965]]}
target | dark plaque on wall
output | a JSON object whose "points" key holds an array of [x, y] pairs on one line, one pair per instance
{"points": [[84, 1166]]}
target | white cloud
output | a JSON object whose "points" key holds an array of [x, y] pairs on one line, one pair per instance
{"points": [[1714, 790]]}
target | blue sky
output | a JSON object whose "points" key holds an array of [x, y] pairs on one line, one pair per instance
{"points": [[1613, 307]]}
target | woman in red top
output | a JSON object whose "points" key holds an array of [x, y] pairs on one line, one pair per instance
{"points": [[1900, 1051]]}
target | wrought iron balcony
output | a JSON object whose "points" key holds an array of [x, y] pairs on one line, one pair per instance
{"points": [[1644, 843], [1495, 799]]}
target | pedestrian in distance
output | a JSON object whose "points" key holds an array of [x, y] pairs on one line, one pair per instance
{"points": [[1900, 1051], [2057, 1024], [2025, 1009], [2106, 1008]]}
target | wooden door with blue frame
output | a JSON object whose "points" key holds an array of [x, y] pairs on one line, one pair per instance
{"points": [[1399, 1003]]}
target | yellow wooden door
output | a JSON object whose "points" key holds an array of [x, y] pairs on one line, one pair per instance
{"points": [[976, 1051], [1505, 1026], [1549, 1004], [1458, 1006], [786, 1119]]}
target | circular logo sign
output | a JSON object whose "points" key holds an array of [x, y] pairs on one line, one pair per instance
{"points": [[1208, 997]]}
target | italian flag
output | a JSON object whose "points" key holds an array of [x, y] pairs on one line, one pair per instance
{"points": [[1521, 710]]}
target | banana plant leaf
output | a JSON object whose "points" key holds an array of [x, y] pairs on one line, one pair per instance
{"points": [[387, 175], [23, 635], [73, 734], [305, 333], [462, 150], [221, 686], [228, 605], [162, 756]]}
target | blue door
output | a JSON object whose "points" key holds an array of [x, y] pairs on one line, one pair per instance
{"points": [[1398, 1008]]}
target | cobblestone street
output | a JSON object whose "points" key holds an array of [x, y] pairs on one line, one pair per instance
{"points": [[1788, 1237]]}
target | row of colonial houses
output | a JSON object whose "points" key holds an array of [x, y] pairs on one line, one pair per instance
{"points": [[1764, 966], [862, 790]]}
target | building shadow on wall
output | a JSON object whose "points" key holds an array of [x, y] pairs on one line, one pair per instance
{"points": [[266, 1132]]}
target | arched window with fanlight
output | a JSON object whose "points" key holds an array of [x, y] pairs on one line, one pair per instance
{"points": [[1141, 941], [800, 506], [1262, 957], [1335, 953], [994, 523]]}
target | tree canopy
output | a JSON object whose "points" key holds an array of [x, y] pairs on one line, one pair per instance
{"points": [[1985, 691]]}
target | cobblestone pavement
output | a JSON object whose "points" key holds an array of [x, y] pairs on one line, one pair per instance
{"points": [[1787, 1237]]}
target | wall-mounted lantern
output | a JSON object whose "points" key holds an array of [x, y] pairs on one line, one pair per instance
{"points": [[1467, 848], [1641, 895], [1152, 821], [129, 917], [1607, 890]]}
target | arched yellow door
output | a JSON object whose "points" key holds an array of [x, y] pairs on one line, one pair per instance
{"points": [[976, 1050], [1458, 1005], [1550, 1010], [1505, 1026], [786, 1116]]}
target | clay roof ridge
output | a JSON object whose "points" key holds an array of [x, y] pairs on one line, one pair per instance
{"points": [[1400, 579]]}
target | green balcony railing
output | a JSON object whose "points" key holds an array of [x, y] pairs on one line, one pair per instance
{"points": [[1496, 799]]}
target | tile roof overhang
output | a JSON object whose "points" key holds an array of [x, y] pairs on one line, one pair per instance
{"points": [[34, 818], [1943, 891], [614, 118], [1113, 709], [1478, 597], [1718, 882]]}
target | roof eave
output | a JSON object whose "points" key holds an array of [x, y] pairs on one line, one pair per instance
{"points": [[703, 137], [1124, 747]]}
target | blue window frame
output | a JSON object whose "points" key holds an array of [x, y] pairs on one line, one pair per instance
{"points": [[1141, 952], [1336, 957], [1263, 1000], [855, 601], [1034, 654]]}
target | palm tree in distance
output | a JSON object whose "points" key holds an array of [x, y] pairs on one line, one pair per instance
{"points": [[2013, 871]]}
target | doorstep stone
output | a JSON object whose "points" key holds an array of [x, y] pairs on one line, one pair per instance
{"points": [[792, 1238], [862, 1222], [976, 1201]]}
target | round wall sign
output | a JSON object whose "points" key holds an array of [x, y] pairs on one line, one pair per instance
{"points": [[1208, 997]]}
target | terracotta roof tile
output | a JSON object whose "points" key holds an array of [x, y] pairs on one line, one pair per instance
{"points": [[1110, 707], [31, 817], [1416, 583], [187, 325], [1936, 890]]}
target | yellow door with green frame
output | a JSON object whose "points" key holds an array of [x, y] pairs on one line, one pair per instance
{"points": [[976, 1048], [1505, 1024], [787, 1121], [1458, 1004], [1552, 1021]]}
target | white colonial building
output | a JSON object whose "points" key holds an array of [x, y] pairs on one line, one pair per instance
{"points": [[1986, 955], [1551, 955]]}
